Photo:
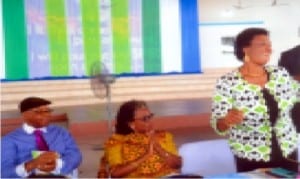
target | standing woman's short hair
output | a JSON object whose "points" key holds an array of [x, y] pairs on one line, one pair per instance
{"points": [[126, 115], [244, 38]]}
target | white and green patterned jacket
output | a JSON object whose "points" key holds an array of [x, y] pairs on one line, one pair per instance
{"points": [[252, 138]]}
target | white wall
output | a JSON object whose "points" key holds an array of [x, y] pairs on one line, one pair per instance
{"points": [[213, 53], [228, 17]]}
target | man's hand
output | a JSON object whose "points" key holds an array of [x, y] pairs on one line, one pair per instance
{"points": [[45, 162]]}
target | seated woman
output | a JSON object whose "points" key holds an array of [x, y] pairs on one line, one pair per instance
{"points": [[136, 149]]}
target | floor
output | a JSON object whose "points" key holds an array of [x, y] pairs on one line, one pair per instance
{"points": [[187, 120]]}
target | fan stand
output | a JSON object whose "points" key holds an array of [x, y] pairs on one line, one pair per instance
{"points": [[109, 110], [109, 114], [102, 76]]}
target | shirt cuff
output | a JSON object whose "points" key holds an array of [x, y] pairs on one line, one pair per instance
{"points": [[21, 171], [59, 164]]}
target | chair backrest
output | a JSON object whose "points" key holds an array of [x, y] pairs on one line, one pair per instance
{"points": [[61, 120], [103, 171], [8, 125], [206, 158]]}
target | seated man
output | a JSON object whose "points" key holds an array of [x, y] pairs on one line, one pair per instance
{"points": [[37, 148]]}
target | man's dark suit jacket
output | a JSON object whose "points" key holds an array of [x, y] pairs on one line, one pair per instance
{"points": [[296, 116], [290, 60]]}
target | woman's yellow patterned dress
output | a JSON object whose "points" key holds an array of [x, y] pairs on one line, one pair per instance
{"points": [[122, 149]]}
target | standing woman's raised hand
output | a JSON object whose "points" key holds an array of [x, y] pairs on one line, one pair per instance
{"points": [[233, 117]]}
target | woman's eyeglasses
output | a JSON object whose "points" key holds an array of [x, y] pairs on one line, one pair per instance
{"points": [[146, 118]]}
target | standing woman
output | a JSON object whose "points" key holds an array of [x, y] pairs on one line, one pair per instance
{"points": [[136, 149], [252, 104]]}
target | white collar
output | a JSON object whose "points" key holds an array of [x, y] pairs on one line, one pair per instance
{"points": [[29, 129]]}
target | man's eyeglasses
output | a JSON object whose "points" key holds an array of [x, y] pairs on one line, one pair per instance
{"points": [[42, 111], [146, 118]]}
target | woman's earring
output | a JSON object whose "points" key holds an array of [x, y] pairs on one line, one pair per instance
{"points": [[132, 126]]}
